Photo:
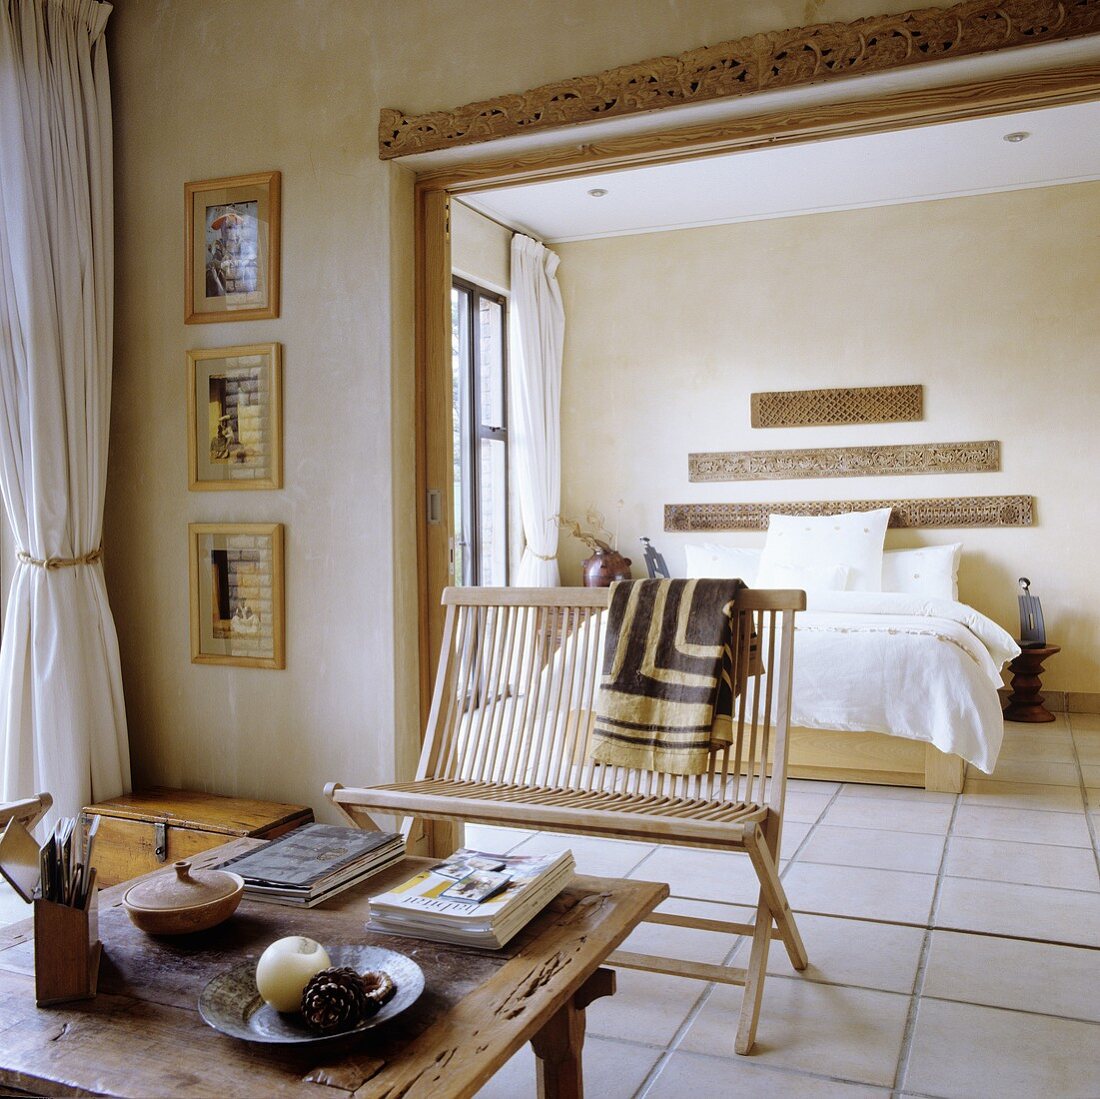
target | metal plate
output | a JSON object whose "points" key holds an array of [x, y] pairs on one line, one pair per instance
{"points": [[231, 1004]]}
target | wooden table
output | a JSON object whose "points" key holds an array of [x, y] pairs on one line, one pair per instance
{"points": [[1026, 703], [142, 1035]]}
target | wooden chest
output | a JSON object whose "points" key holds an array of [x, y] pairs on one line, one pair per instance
{"points": [[141, 831]]}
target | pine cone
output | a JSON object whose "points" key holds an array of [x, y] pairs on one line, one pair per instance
{"points": [[336, 999]]}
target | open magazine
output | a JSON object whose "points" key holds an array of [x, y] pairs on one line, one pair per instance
{"points": [[474, 898]]}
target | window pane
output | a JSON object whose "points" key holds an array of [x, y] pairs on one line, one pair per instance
{"points": [[491, 362], [493, 511], [460, 403]]}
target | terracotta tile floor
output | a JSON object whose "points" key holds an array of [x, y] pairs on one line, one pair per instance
{"points": [[954, 944]]}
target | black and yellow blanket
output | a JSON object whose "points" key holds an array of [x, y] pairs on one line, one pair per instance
{"points": [[666, 697]]}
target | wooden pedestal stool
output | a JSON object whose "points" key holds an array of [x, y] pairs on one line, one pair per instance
{"points": [[1026, 703]]}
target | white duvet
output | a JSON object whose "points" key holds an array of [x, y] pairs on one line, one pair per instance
{"points": [[925, 669]]}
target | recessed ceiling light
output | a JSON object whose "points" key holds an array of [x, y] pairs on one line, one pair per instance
{"points": [[598, 192], [1018, 135]]}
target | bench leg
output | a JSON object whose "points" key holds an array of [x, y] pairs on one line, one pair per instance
{"points": [[754, 978], [772, 891], [356, 816], [433, 838]]}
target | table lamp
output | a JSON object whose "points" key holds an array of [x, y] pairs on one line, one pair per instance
{"points": [[1032, 632]]}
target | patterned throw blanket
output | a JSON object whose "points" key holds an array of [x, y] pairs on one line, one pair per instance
{"points": [[666, 690]]}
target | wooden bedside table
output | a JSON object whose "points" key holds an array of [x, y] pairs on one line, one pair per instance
{"points": [[1026, 703]]}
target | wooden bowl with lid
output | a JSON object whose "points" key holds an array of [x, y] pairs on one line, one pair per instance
{"points": [[182, 902]]}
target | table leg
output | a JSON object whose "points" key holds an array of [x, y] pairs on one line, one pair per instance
{"points": [[559, 1043]]}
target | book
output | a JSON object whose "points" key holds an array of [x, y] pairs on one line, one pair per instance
{"points": [[473, 898], [314, 862]]}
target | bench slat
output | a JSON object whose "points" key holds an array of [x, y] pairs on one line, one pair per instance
{"points": [[525, 814], [678, 967]]}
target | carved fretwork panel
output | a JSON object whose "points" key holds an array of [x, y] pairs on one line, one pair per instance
{"points": [[846, 461], [867, 404], [761, 62], [952, 511]]}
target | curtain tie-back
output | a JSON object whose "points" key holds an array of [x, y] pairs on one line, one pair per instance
{"points": [[61, 562], [542, 556]]}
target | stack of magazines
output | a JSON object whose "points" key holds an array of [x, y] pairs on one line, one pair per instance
{"points": [[314, 862], [472, 899]]}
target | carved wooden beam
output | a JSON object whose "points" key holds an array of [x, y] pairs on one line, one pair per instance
{"points": [[865, 404], [743, 66], [953, 511], [846, 461]]}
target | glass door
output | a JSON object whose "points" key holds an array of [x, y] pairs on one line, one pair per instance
{"points": [[480, 434]]}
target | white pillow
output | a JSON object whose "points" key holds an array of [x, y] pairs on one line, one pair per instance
{"points": [[804, 577], [854, 539], [930, 571], [715, 562]]}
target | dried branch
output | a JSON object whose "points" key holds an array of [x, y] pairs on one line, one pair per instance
{"points": [[591, 538]]}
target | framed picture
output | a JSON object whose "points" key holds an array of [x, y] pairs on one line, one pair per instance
{"points": [[237, 614], [231, 252], [234, 417]]}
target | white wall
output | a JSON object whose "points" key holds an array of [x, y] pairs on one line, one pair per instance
{"points": [[989, 302]]}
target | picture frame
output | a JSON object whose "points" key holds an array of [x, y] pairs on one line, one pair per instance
{"points": [[231, 248], [234, 418], [237, 594]]}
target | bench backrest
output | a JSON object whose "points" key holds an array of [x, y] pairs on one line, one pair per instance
{"points": [[516, 687]]}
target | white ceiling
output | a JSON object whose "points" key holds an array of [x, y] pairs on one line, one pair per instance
{"points": [[914, 165]]}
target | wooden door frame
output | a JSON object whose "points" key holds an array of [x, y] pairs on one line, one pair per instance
{"points": [[900, 110]]}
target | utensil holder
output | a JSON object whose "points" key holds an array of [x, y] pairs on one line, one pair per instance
{"points": [[66, 949]]}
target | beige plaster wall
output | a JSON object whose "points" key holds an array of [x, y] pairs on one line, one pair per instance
{"points": [[481, 250], [206, 88], [989, 302]]}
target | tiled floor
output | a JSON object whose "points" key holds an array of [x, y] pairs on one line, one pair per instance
{"points": [[954, 944]]}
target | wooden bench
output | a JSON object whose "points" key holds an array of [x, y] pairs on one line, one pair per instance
{"points": [[507, 744], [28, 810]]}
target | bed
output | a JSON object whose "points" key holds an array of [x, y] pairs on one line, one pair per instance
{"points": [[896, 688], [893, 687]]}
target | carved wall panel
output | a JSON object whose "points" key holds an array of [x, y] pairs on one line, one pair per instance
{"points": [[846, 461], [950, 511], [760, 62], [868, 404]]}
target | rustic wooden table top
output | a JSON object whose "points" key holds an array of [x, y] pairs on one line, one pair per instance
{"points": [[142, 1035]]}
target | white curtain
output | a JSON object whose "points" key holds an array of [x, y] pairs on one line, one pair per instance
{"points": [[535, 352], [62, 720]]}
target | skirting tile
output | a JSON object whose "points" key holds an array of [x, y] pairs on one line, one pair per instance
{"points": [[1071, 702], [1083, 702]]}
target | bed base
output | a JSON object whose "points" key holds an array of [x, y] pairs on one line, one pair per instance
{"points": [[873, 758]]}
